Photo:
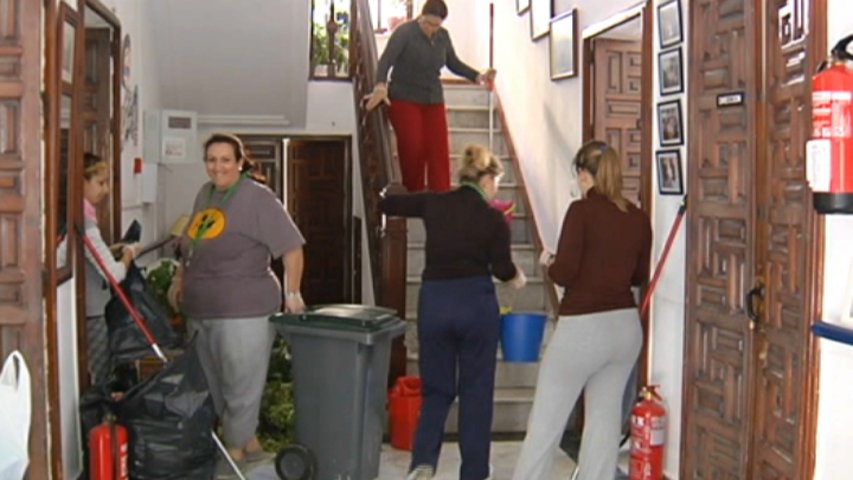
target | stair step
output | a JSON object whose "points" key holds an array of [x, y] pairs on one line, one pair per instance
{"points": [[460, 137], [519, 229], [466, 95], [525, 257], [471, 116], [533, 297], [516, 368]]}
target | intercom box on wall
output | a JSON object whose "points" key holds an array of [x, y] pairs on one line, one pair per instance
{"points": [[171, 136]]}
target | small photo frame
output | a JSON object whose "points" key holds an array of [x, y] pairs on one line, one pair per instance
{"points": [[670, 126], [671, 72], [563, 43], [670, 179], [669, 23], [522, 6], [540, 18]]}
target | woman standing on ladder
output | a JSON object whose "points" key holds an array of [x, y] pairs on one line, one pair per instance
{"points": [[417, 51]]}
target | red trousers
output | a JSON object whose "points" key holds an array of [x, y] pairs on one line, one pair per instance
{"points": [[422, 144]]}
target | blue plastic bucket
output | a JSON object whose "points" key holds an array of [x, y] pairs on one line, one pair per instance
{"points": [[521, 336]]}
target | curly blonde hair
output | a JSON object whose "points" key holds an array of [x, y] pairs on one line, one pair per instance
{"points": [[476, 162]]}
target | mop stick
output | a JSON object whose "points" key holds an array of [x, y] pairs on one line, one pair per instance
{"points": [[682, 209], [662, 261], [140, 322]]}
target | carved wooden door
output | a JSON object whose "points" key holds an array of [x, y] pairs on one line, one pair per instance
{"points": [[617, 106], [784, 397], [746, 394], [318, 198], [21, 208]]}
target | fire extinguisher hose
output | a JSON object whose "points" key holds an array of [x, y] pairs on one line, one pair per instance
{"points": [[140, 322]]}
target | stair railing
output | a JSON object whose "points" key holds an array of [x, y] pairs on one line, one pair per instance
{"points": [[380, 171]]}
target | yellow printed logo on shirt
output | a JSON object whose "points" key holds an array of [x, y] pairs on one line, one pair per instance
{"points": [[206, 224]]}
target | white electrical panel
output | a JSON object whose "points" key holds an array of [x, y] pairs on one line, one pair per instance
{"points": [[171, 136]]}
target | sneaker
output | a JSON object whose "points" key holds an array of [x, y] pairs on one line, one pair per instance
{"points": [[259, 457], [421, 472], [224, 471]]}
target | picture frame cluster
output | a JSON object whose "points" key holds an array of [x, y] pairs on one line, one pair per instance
{"points": [[671, 81]]}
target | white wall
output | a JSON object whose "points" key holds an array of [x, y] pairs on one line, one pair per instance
{"points": [[549, 113], [667, 307], [835, 417]]}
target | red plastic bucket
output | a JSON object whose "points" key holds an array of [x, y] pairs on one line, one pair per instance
{"points": [[404, 408]]}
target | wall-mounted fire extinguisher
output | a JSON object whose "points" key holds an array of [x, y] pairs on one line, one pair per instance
{"points": [[648, 433], [829, 154], [108, 451]]}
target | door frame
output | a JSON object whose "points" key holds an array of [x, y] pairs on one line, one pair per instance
{"points": [[114, 233], [644, 13]]}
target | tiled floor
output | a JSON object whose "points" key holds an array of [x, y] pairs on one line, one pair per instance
{"points": [[394, 463]]}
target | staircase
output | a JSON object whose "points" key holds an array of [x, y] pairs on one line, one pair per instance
{"points": [[468, 122]]}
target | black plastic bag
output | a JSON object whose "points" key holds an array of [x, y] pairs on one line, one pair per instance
{"points": [[99, 400], [127, 343], [170, 418]]}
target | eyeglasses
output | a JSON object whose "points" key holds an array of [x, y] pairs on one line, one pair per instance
{"points": [[430, 22]]}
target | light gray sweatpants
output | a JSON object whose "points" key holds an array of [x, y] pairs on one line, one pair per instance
{"points": [[594, 352], [235, 355]]}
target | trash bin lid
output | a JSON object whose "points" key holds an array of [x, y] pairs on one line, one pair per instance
{"points": [[341, 316]]}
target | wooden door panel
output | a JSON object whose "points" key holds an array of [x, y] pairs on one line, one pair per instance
{"points": [[786, 220], [717, 376], [618, 106], [22, 322], [318, 200]]}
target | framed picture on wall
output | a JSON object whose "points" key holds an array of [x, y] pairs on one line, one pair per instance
{"points": [[670, 126], [669, 23], [670, 179], [540, 18], [669, 67], [563, 42], [522, 6]]}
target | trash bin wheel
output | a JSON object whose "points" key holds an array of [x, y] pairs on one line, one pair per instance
{"points": [[295, 462]]}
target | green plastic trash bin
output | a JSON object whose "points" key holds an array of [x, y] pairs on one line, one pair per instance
{"points": [[340, 356]]}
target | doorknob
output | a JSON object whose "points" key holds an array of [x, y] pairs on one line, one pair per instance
{"points": [[757, 292]]}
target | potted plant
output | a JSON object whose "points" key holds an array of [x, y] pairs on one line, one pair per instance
{"points": [[159, 276], [277, 427]]}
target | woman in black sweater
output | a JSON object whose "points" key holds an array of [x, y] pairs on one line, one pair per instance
{"points": [[468, 242]]}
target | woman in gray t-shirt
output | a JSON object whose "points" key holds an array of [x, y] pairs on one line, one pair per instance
{"points": [[227, 290], [415, 54]]}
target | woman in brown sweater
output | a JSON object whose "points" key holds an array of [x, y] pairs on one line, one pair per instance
{"points": [[603, 250]]}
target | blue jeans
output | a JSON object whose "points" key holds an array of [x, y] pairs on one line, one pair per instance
{"points": [[458, 331]]}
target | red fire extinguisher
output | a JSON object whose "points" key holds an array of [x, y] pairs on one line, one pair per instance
{"points": [[648, 429], [108, 451], [829, 154]]}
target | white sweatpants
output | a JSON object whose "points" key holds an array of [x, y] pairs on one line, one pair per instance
{"points": [[235, 355], [595, 352]]}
